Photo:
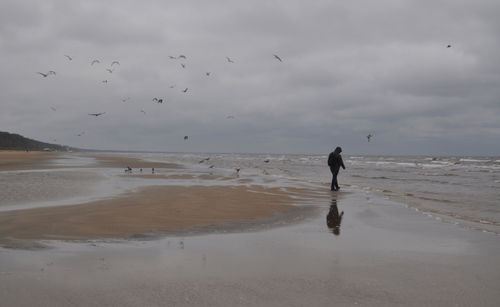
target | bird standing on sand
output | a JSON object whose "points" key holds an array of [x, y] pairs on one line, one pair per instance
{"points": [[369, 136], [277, 57]]}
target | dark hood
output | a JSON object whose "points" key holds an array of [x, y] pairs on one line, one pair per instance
{"points": [[337, 150]]}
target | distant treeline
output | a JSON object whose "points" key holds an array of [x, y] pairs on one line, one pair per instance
{"points": [[11, 141]]}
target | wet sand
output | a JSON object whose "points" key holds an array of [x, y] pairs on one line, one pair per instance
{"points": [[146, 211], [384, 254], [151, 210]]}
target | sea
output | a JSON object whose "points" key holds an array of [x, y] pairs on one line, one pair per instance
{"points": [[463, 190]]}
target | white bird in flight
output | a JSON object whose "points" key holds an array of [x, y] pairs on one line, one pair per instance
{"points": [[95, 61], [115, 62]]}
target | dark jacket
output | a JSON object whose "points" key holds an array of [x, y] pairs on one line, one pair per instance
{"points": [[335, 160]]}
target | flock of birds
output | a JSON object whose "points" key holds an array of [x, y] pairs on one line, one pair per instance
{"points": [[158, 100]]}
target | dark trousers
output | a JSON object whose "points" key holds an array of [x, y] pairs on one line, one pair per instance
{"points": [[335, 183]]}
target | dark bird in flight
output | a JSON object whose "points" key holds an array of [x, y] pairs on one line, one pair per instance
{"points": [[53, 109], [277, 57], [143, 112], [51, 72], [80, 134], [125, 99], [109, 70], [203, 160], [69, 58], [172, 86], [95, 61], [172, 57], [115, 62], [158, 100], [229, 60], [185, 90], [183, 65], [369, 136], [181, 56], [449, 46], [104, 81], [230, 117], [186, 137], [207, 73], [97, 114]]}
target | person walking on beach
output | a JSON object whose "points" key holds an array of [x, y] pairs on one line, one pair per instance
{"points": [[335, 162]]}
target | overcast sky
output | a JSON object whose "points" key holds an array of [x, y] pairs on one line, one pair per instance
{"points": [[349, 68]]}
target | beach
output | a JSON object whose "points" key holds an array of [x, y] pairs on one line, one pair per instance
{"points": [[189, 235]]}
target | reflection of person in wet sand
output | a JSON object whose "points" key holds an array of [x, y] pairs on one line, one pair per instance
{"points": [[333, 219]]}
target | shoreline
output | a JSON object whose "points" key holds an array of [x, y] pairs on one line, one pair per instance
{"points": [[349, 248], [147, 211]]}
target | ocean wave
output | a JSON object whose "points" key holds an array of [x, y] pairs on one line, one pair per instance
{"points": [[474, 160]]}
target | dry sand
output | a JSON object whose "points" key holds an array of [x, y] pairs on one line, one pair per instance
{"points": [[22, 160]]}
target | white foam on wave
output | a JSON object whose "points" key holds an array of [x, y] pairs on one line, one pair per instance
{"points": [[474, 160]]}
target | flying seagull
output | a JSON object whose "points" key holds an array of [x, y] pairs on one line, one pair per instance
{"points": [[104, 81], [109, 70], [229, 60], [69, 58], [115, 62], [158, 100], [51, 72], [449, 46], [369, 136], [203, 160], [96, 114], [80, 134], [125, 99], [181, 56], [207, 73], [95, 61], [53, 109], [277, 57], [186, 137], [143, 112], [230, 117], [185, 90], [183, 65]]}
